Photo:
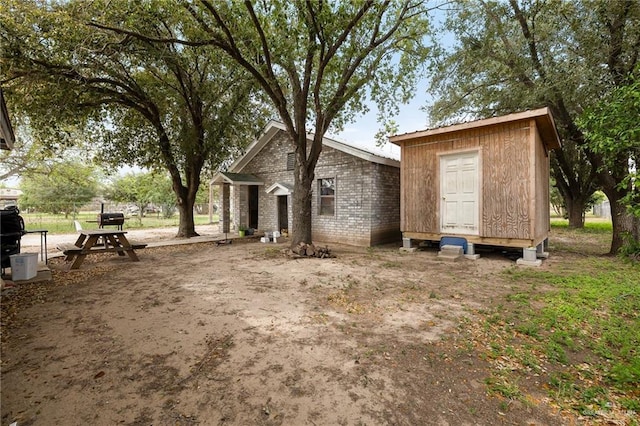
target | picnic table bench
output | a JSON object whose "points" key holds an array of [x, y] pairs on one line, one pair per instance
{"points": [[114, 242]]}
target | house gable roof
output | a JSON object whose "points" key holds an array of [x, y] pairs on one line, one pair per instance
{"points": [[236, 179], [280, 188], [544, 121], [272, 129]]}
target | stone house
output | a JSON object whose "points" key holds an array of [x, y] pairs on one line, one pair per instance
{"points": [[356, 192]]}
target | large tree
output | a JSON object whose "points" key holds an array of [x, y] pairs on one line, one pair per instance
{"points": [[59, 187], [612, 130], [160, 106], [565, 55], [318, 62], [142, 189]]}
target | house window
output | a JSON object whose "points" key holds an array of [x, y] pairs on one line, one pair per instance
{"points": [[327, 201], [291, 160]]}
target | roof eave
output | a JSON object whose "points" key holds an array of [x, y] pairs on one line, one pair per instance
{"points": [[273, 127], [222, 177], [543, 117], [270, 130], [361, 153]]}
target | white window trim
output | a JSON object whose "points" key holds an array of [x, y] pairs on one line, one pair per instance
{"points": [[335, 196]]}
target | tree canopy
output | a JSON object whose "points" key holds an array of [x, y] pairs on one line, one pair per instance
{"points": [[61, 188], [161, 106], [612, 130], [142, 189]]}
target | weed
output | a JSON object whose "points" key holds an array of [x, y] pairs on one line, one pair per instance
{"points": [[529, 328], [529, 360], [504, 386], [556, 353], [495, 350], [562, 337], [522, 298], [630, 248], [631, 404], [562, 386], [272, 253], [593, 395], [510, 351]]}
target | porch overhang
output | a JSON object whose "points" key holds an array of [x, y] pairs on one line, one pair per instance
{"points": [[236, 179], [279, 188]]}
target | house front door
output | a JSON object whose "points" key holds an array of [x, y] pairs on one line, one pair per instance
{"points": [[459, 191], [283, 212], [253, 206]]}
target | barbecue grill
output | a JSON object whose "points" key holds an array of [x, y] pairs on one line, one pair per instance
{"points": [[11, 231], [111, 219]]}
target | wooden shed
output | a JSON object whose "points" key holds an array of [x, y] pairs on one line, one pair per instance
{"points": [[486, 181]]}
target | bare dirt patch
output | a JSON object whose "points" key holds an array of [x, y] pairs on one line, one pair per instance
{"points": [[240, 334]]}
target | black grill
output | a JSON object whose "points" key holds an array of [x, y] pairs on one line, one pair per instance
{"points": [[11, 232], [111, 219]]}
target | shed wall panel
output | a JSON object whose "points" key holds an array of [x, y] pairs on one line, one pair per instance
{"points": [[419, 194], [542, 219], [506, 182]]}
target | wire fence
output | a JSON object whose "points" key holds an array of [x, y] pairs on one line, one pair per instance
{"points": [[61, 218]]}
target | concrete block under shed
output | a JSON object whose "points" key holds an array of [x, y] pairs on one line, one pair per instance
{"points": [[529, 257], [529, 254], [523, 262], [471, 252], [409, 249]]}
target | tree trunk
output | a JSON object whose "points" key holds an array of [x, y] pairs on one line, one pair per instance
{"points": [[302, 209], [623, 223], [187, 227], [575, 180], [186, 199], [575, 212]]}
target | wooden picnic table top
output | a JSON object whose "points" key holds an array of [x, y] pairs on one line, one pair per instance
{"points": [[101, 232]]}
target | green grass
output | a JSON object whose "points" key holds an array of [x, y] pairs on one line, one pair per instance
{"points": [[580, 320], [591, 225], [58, 224]]}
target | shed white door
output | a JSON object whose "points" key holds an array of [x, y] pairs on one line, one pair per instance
{"points": [[459, 188]]}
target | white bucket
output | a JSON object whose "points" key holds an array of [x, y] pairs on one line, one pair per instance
{"points": [[24, 266]]}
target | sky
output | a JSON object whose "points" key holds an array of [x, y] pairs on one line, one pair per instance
{"points": [[362, 131]]}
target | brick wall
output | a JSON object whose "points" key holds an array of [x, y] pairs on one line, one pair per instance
{"points": [[385, 219]]}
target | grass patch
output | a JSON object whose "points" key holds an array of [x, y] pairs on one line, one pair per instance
{"points": [[581, 322], [59, 224], [591, 226], [504, 386]]}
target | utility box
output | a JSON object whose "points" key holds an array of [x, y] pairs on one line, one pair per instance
{"points": [[24, 266]]}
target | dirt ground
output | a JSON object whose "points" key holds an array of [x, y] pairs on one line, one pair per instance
{"points": [[240, 334]]}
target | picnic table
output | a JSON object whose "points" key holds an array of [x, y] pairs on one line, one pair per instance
{"points": [[87, 243]]}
